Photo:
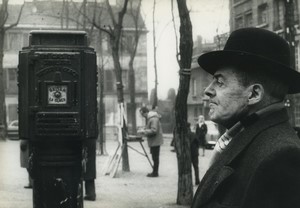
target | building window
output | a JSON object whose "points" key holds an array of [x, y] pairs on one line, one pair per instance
{"points": [[11, 81], [296, 12], [12, 112], [25, 39], [239, 22], [106, 47], [194, 87], [262, 14], [125, 78], [13, 41], [248, 19], [12, 75], [128, 41], [297, 55], [196, 113], [109, 80], [276, 15], [297, 112]]}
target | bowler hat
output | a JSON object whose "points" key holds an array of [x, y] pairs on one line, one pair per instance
{"points": [[255, 47]]}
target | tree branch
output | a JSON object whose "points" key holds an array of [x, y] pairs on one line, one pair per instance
{"points": [[3, 13], [123, 11], [17, 22], [111, 13], [175, 31]]}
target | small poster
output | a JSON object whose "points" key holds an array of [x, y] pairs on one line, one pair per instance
{"points": [[57, 94]]}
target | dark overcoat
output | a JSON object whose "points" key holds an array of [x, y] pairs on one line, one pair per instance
{"points": [[90, 146], [260, 168]]}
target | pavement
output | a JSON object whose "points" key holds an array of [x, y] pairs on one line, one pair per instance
{"points": [[127, 190]]}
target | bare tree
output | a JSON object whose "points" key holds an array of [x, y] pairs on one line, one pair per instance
{"points": [[114, 33], [101, 111], [87, 23], [155, 100], [182, 142], [131, 47], [3, 29]]}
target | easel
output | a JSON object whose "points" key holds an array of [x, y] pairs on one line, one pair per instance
{"points": [[114, 161], [133, 138], [112, 165]]}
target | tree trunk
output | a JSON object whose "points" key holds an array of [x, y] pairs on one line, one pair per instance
{"points": [[132, 97], [115, 37], [155, 99], [3, 124], [120, 95], [101, 115], [182, 142], [101, 112]]}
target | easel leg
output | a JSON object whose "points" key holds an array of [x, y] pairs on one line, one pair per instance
{"points": [[114, 173], [146, 154]]}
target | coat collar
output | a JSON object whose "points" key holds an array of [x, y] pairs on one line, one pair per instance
{"points": [[244, 138], [222, 169]]}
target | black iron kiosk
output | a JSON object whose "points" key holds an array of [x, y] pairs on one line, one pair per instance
{"points": [[57, 81]]}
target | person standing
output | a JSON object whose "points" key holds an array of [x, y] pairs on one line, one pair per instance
{"points": [[154, 134], [194, 152], [25, 154], [89, 174], [201, 131], [256, 162]]}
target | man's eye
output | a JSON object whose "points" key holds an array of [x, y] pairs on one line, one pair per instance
{"points": [[219, 83]]}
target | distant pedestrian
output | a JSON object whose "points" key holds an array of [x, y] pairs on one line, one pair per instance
{"points": [[173, 142], [201, 131], [25, 152], [89, 175], [194, 152], [154, 134]]}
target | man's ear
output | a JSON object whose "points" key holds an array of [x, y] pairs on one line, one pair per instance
{"points": [[256, 94]]}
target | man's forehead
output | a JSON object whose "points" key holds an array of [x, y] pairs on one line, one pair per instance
{"points": [[225, 71]]}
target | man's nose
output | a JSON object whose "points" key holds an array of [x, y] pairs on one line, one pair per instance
{"points": [[209, 91]]}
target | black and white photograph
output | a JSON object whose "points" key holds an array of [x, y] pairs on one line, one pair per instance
{"points": [[149, 103]]}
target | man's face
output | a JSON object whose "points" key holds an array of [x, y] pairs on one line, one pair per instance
{"points": [[228, 97], [200, 119], [144, 114]]}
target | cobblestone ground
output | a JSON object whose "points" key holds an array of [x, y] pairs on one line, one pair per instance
{"points": [[128, 190]]}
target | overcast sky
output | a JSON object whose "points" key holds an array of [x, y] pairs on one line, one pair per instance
{"points": [[208, 17]]}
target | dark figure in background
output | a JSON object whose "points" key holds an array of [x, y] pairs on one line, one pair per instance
{"points": [[194, 152], [89, 175], [256, 162], [154, 134], [25, 151], [172, 144], [201, 131]]}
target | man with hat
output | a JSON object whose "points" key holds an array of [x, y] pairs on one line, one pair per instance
{"points": [[256, 162]]}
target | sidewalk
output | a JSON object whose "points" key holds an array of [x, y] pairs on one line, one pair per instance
{"points": [[128, 190]]}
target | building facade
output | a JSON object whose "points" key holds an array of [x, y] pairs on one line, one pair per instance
{"points": [[57, 15], [273, 15]]}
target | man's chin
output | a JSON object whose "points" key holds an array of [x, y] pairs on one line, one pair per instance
{"points": [[213, 118], [211, 115]]}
